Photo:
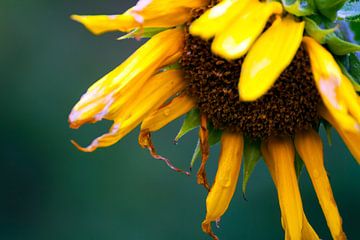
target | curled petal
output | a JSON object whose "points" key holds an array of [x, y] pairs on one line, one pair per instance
{"points": [[107, 96], [269, 56], [167, 113], [351, 139], [145, 142], [226, 179], [336, 91], [309, 146], [236, 38], [156, 91], [279, 155], [205, 151], [218, 18]]}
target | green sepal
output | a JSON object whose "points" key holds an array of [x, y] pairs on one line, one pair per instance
{"points": [[214, 138], [191, 121], [171, 67], [329, 8], [142, 33], [340, 47], [316, 32], [327, 127], [350, 11], [350, 66], [299, 8], [252, 155], [299, 165]]}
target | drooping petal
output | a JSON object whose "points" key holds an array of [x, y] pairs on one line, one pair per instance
{"points": [[307, 232], [226, 179], [269, 56], [336, 91], [235, 39], [218, 18], [281, 154], [98, 24], [309, 146], [105, 97], [167, 113], [351, 139], [146, 13], [155, 92]]}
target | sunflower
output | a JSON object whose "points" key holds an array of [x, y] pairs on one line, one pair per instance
{"points": [[260, 77]]}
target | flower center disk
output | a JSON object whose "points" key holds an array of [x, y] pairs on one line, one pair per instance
{"points": [[289, 106]]}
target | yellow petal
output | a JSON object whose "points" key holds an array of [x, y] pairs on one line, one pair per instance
{"points": [[237, 36], [268, 57], [226, 178], [164, 13], [99, 24], [335, 89], [309, 146], [307, 232], [104, 98], [218, 18], [282, 154], [166, 114], [351, 139], [155, 92], [146, 13]]}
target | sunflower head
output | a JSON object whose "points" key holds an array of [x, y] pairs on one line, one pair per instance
{"points": [[259, 76]]}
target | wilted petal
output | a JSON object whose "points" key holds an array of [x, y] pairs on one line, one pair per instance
{"points": [[155, 92], [108, 95], [309, 146], [226, 179], [351, 139], [281, 154], [336, 91], [307, 231], [268, 57]]}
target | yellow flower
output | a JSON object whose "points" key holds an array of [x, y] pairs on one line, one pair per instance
{"points": [[275, 100]]}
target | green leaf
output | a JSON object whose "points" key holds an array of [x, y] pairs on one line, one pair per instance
{"points": [[196, 154], [354, 65], [299, 164], [299, 8], [142, 33], [214, 138], [191, 121], [316, 32], [350, 11], [339, 46], [329, 8], [252, 156]]}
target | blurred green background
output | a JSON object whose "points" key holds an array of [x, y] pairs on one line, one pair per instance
{"points": [[50, 190]]}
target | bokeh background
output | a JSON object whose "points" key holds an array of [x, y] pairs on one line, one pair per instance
{"points": [[50, 190]]}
